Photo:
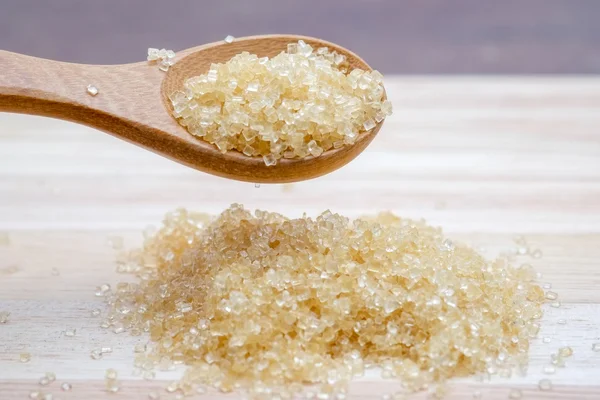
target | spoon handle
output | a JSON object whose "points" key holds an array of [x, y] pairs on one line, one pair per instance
{"points": [[37, 86], [31, 85]]}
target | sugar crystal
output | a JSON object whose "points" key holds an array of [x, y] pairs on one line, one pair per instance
{"points": [[153, 54], [111, 374], [515, 394], [164, 57], [229, 39], [92, 90], [551, 295], [545, 384], [4, 317], [565, 352], [96, 354], [269, 160], [549, 369]]}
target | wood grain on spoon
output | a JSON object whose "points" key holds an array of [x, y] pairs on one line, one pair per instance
{"points": [[132, 104]]}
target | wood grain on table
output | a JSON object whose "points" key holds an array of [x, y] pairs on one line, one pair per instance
{"points": [[485, 158]]}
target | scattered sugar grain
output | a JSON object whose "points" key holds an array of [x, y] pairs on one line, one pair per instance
{"points": [[111, 374], [545, 384], [551, 295], [596, 347], [96, 354], [565, 351], [4, 317], [549, 369], [172, 387], [103, 290], [229, 39], [165, 58], [557, 360], [149, 375], [515, 394], [66, 387], [112, 387], [70, 332], [153, 54], [55, 272], [139, 348], [92, 90]]}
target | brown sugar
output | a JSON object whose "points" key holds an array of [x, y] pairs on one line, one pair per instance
{"points": [[297, 104], [267, 304]]}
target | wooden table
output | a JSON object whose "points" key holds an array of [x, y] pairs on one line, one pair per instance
{"points": [[486, 158]]}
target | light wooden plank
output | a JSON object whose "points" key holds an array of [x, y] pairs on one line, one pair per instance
{"points": [[486, 158]]}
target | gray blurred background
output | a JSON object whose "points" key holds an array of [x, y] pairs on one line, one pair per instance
{"points": [[394, 36]]}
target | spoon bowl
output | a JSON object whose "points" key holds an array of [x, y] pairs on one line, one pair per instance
{"points": [[132, 103]]}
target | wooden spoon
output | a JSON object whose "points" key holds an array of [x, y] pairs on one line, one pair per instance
{"points": [[132, 104]]}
